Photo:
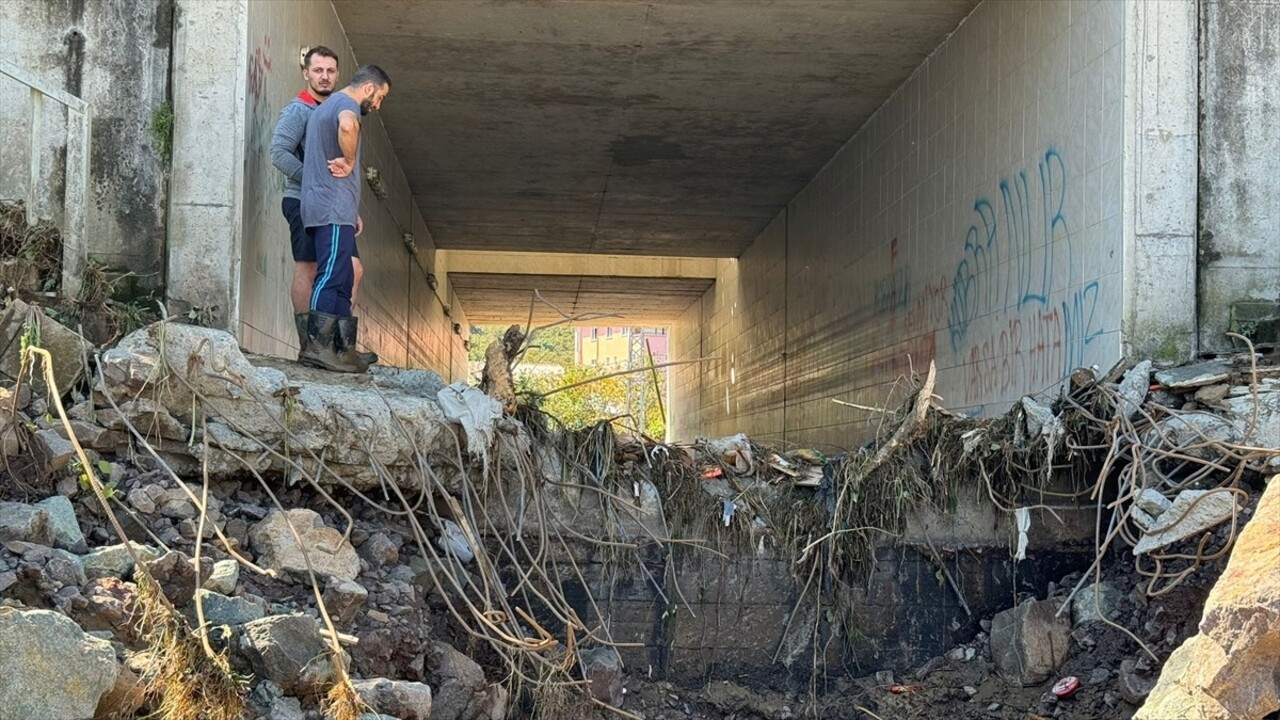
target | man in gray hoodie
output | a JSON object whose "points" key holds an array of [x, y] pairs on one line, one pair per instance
{"points": [[320, 73]]}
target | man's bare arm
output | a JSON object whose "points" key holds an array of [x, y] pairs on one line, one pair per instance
{"points": [[348, 135]]}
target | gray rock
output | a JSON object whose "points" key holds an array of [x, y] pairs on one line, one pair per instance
{"points": [[404, 700], [1191, 513], [1083, 608], [379, 550], [1212, 394], [224, 578], [1028, 643], [52, 449], [1133, 687], [344, 598], [142, 501], [115, 561], [602, 668], [223, 610], [63, 526], [176, 574], [1187, 377], [27, 523], [277, 548], [271, 698], [288, 650], [1152, 502], [460, 689], [7, 580], [65, 568], [66, 347], [52, 670]]}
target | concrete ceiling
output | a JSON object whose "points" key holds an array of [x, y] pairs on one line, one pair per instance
{"points": [[666, 127]]}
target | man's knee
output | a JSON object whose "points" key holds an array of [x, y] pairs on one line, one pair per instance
{"points": [[304, 269]]}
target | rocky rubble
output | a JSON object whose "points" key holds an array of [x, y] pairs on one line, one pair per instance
{"points": [[64, 574]]}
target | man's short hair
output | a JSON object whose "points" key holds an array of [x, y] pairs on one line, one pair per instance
{"points": [[320, 50], [370, 74]]}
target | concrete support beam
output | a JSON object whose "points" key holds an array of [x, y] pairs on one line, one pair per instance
{"points": [[1160, 193], [206, 185], [537, 263]]}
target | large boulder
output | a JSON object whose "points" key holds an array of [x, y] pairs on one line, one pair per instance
{"points": [[288, 650], [1029, 642], [279, 550], [404, 700], [461, 691], [387, 415], [1228, 669], [51, 669]]}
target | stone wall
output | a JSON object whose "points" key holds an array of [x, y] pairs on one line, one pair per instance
{"points": [[115, 56]]}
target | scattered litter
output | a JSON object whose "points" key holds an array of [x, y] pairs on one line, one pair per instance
{"points": [[1023, 518], [729, 508], [712, 472], [904, 689], [1066, 687], [453, 540]]}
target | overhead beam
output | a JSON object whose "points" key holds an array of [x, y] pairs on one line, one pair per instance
{"points": [[581, 264]]}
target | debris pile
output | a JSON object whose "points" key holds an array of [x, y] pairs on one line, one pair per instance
{"points": [[212, 534]]}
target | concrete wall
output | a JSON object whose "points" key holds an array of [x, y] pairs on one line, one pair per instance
{"points": [[114, 55], [402, 318], [1239, 251], [976, 221]]}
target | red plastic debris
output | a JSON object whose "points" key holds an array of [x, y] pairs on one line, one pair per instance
{"points": [[900, 689], [1066, 687], [712, 472]]}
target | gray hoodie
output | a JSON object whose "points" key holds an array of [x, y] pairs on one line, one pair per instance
{"points": [[288, 140]]}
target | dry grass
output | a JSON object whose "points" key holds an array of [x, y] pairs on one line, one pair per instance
{"points": [[342, 702], [182, 681]]}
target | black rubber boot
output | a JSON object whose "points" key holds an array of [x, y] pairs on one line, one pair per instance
{"points": [[300, 324], [322, 348], [348, 333]]}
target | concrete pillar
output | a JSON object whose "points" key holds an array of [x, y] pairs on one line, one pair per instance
{"points": [[206, 187], [1160, 194]]}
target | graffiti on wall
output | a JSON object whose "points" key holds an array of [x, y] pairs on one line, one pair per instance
{"points": [[263, 183], [1012, 333]]}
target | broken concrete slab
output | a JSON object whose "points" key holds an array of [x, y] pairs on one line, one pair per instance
{"points": [[279, 550], [1187, 377], [1266, 425], [65, 346], [1134, 387], [353, 421], [1191, 513], [1228, 669], [1152, 502], [1029, 642]]}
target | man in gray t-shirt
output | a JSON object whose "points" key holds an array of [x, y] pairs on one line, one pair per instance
{"points": [[331, 213]]}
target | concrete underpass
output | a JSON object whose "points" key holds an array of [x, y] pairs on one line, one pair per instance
{"points": [[822, 196], [818, 200]]}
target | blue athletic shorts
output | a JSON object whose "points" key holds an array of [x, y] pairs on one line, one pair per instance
{"points": [[304, 246]]}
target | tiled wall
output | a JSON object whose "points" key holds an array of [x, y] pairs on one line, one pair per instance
{"points": [[974, 221], [401, 317]]}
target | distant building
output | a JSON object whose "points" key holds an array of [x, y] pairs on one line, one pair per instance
{"points": [[612, 346]]}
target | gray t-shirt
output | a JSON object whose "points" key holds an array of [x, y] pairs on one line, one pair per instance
{"points": [[327, 200]]}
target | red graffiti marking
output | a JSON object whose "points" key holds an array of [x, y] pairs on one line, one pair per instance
{"points": [[259, 67]]}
